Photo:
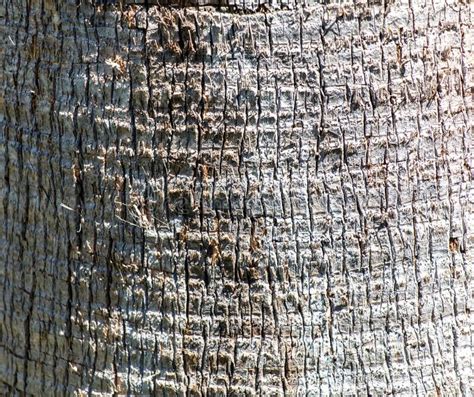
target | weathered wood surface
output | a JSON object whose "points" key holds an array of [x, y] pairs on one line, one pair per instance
{"points": [[256, 200]]}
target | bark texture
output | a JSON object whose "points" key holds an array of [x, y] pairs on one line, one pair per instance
{"points": [[243, 199]]}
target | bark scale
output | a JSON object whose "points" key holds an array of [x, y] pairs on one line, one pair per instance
{"points": [[261, 199]]}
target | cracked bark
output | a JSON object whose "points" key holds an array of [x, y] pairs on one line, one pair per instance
{"points": [[240, 198]]}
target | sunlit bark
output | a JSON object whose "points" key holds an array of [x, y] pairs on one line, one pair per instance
{"points": [[261, 199]]}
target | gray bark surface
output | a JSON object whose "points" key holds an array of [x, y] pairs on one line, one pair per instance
{"points": [[236, 199]]}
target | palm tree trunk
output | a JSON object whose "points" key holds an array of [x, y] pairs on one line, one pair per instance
{"points": [[254, 199]]}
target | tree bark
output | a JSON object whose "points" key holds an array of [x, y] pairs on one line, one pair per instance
{"points": [[235, 198]]}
